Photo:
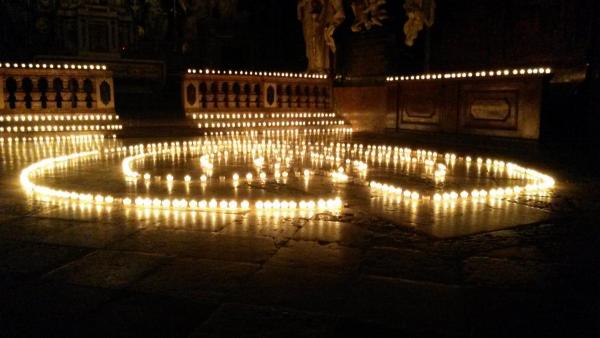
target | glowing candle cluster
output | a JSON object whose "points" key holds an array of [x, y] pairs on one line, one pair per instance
{"points": [[262, 160], [533, 181], [140, 151]]}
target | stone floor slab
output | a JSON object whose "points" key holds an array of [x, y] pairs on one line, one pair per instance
{"points": [[33, 229], [510, 273], [107, 269], [198, 279], [144, 315], [412, 264], [340, 232], [330, 258], [91, 234], [407, 304], [294, 288], [279, 227], [244, 320], [200, 245]]}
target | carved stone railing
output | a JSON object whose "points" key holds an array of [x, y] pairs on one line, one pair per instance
{"points": [[31, 88], [54, 98], [212, 91]]}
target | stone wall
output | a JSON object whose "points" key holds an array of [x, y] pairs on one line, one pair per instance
{"points": [[499, 107], [505, 104], [368, 109]]}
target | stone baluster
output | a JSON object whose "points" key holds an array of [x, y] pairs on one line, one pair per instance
{"points": [[3, 95], [87, 90], [211, 95], [222, 95], [27, 87], [295, 101], [202, 92], [67, 95], [312, 99], [326, 101], [303, 99], [253, 96], [57, 96], [317, 96], [284, 100], [286, 96], [244, 93], [279, 92], [229, 100], [19, 94], [36, 99], [234, 99], [81, 95], [41, 93]]}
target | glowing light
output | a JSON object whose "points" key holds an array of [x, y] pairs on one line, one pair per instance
{"points": [[281, 156]]}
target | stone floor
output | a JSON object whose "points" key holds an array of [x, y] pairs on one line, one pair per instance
{"points": [[242, 275]]}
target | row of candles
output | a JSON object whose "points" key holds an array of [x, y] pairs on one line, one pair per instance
{"points": [[59, 128], [60, 117], [53, 66], [256, 73], [480, 74], [238, 116], [331, 130], [269, 124], [45, 192]]}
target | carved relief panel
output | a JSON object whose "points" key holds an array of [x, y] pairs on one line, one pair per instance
{"points": [[105, 91], [270, 95], [500, 108], [490, 109], [420, 106]]}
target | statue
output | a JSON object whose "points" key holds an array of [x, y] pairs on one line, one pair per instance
{"points": [[367, 14], [319, 20], [420, 13]]}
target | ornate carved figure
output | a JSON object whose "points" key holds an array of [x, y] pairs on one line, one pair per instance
{"points": [[368, 13], [420, 13], [319, 20], [336, 17]]}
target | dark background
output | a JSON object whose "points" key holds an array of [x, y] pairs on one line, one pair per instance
{"points": [[266, 35]]}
